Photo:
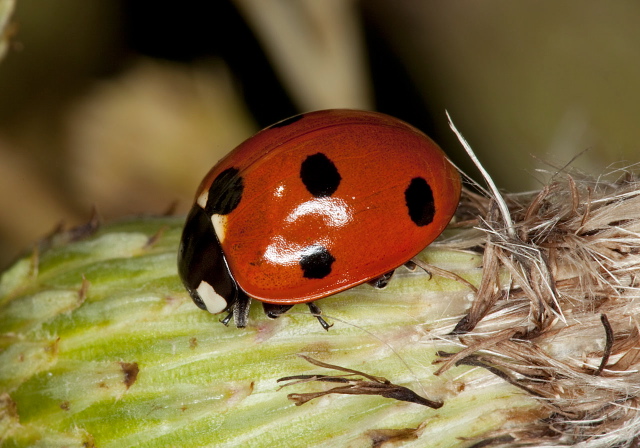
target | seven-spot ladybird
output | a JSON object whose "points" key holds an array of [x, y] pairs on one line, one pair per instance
{"points": [[311, 206]]}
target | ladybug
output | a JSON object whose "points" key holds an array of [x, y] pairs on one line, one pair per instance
{"points": [[311, 206]]}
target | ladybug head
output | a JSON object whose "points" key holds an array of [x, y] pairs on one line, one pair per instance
{"points": [[202, 266]]}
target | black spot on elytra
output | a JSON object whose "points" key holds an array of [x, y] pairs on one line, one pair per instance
{"points": [[316, 261], [419, 199], [319, 175], [225, 192], [286, 121]]}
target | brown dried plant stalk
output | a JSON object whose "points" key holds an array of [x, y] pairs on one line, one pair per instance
{"points": [[563, 327]]}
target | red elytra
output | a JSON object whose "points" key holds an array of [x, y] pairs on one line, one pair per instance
{"points": [[314, 205]]}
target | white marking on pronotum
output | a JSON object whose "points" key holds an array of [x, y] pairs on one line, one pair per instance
{"points": [[214, 302], [220, 226], [203, 198]]}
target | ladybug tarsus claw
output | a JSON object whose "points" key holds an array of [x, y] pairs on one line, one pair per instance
{"points": [[317, 313], [227, 319], [324, 323]]}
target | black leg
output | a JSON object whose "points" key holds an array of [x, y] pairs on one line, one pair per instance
{"points": [[227, 318], [274, 311], [410, 265], [239, 310], [382, 281], [229, 311], [317, 313]]}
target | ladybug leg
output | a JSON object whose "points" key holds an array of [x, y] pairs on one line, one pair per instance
{"points": [[410, 265], [274, 311], [317, 313], [229, 311], [227, 319], [382, 281], [239, 310]]}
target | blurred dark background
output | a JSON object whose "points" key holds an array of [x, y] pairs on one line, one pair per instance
{"points": [[124, 105]]}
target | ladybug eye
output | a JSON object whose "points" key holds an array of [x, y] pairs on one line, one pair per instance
{"points": [[319, 175], [420, 202]]}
